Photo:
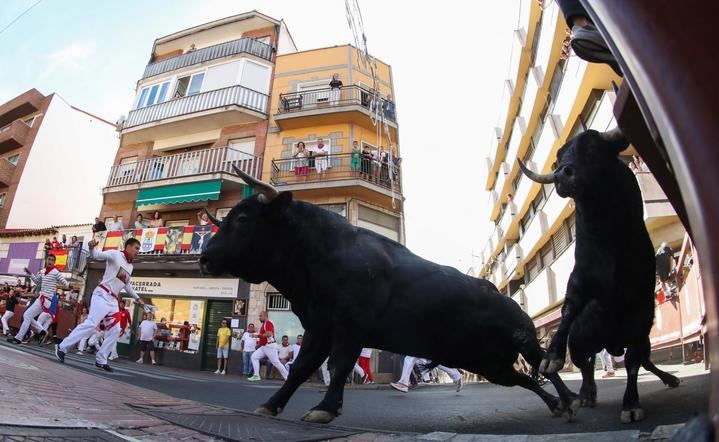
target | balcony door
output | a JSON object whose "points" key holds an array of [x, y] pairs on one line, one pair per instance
{"points": [[314, 93], [241, 153]]}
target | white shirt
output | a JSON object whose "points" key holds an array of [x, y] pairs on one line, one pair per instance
{"points": [[117, 271], [366, 353], [250, 342], [284, 352], [295, 351], [147, 330], [114, 227]]}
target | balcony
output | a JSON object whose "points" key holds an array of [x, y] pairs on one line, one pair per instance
{"points": [[499, 277], [7, 170], [195, 113], [343, 170], [543, 149], [507, 217], [496, 238], [518, 130], [160, 242], [525, 185], [656, 203], [227, 49], [571, 82], [13, 136], [324, 106], [530, 96], [525, 12], [549, 27], [21, 106], [536, 229], [493, 197], [556, 209], [538, 293], [512, 261], [200, 165], [501, 177]]}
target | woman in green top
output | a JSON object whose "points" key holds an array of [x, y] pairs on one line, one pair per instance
{"points": [[356, 153]]}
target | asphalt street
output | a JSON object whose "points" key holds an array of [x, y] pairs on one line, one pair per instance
{"points": [[479, 408]]}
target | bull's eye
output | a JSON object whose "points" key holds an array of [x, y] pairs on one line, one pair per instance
{"points": [[242, 219], [554, 166]]}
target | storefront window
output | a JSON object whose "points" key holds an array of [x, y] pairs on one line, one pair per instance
{"points": [[179, 323]]}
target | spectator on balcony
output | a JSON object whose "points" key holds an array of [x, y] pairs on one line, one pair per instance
{"points": [[48, 246], [388, 108], [301, 168], [320, 155], [202, 218], [366, 162], [55, 244], [157, 220], [335, 89], [64, 240], [665, 267], [384, 166], [396, 161], [356, 158], [139, 222], [99, 226], [115, 225], [74, 250]]}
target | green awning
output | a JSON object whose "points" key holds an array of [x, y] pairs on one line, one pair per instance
{"points": [[180, 193]]}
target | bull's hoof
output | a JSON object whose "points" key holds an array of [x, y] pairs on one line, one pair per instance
{"points": [[264, 411], [572, 409], [319, 417], [633, 415], [551, 366], [672, 382], [588, 400]]}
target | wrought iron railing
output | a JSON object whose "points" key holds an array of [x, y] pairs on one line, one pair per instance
{"points": [[343, 166], [233, 95], [234, 47], [327, 98], [199, 162]]}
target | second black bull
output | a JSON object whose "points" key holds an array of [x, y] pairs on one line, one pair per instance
{"points": [[353, 288]]}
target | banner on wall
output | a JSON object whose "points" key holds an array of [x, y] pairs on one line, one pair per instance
{"points": [[60, 258], [186, 287], [147, 241]]}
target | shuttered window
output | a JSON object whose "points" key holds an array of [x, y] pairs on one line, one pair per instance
{"points": [[546, 253], [561, 239]]}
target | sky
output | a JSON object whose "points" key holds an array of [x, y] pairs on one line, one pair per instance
{"points": [[448, 64]]}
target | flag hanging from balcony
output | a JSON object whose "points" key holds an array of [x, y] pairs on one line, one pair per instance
{"points": [[60, 258], [195, 238], [112, 240], [148, 239], [173, 240], [160, 239]]}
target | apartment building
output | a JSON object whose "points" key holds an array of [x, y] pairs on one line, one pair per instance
{"points": [[236, 92], [551, 96], [53, 162]]}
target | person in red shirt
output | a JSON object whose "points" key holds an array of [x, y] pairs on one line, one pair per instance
{"points": [[266, 348]]}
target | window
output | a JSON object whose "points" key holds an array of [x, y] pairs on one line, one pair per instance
{"points": [[265, 40], [154, 94], [275, 301], [127, 167], [222, 213], [378, 222], [14, 159], [189, 85], [178, 223], [30, 120], [255, 76], [546, 254], [2, 199], [177, 311], [561, 239], [340, 209], [244, 145]]}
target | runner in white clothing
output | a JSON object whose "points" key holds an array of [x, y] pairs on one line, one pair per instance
{"points": [[47, 279], [408, 366], [105, 302]]}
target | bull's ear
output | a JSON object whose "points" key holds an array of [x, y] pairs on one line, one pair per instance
{"points": [[280, 204], [615, 139]]}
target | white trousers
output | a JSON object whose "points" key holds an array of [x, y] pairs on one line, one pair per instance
{"points": [[410, 361], [607, 364], [326, 372], [5, 318], [82, 345], [269, 351], [45, 320], [101, 305], [28, 318], [321, 164]]}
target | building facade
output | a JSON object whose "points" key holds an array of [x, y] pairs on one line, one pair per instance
{"points": [[236, 92], [550, 97], [41, 164]]}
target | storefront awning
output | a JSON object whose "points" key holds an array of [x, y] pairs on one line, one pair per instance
{"points": [[180, 193]]}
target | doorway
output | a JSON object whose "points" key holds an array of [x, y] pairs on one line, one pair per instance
{"points": [[216, 311]]}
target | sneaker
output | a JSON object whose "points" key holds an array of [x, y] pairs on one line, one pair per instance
{"points": [[79, 352], [42, 336], [589, 45], [222, 372], [14, 340], [139, 361], [112, 358], [59, 354], [254, 378], [217, 371], [460, 384], [609, 374], [399, 386], [154, 363], [105, 367], [365, 379]]}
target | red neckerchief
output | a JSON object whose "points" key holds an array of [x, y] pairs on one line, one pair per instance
{"points": [[49, 269], [127, 258]]}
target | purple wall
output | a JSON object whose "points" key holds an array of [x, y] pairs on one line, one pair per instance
{"points": [[22, 250]]}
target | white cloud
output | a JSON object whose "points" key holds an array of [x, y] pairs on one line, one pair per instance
{"points": [[70, 57]]}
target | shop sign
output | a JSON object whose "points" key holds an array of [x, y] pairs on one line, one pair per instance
{"points": [[186, 287]]}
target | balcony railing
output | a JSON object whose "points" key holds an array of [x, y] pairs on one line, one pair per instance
{"points": [[327, 99], [215, 160], [234, 47], [344, 166], [229, 96], [180, 240]]}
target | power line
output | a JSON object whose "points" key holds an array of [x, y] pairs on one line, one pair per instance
{"points": [[19, 16]]}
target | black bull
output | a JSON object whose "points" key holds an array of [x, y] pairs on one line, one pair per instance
{"points": [[352, 288]]}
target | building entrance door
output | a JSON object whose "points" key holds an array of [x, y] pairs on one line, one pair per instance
{"points": [[216, 311]]}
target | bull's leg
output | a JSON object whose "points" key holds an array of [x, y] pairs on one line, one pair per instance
{"points": [[557, 352], [313, 352], [510, 377], [588, 391], [533, 353], [668, 379], [344, 358], [631, 410]]}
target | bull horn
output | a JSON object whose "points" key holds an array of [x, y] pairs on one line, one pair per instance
{"points": [[546, 178], [266, 191], [214, 220], [613, 135]]}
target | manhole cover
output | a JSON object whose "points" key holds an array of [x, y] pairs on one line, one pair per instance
{"points": [[55, 434], [239, 426]]}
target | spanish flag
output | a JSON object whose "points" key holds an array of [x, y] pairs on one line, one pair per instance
{"points": [[187, 238], [112, 241], [160, 239], [60, 258]]}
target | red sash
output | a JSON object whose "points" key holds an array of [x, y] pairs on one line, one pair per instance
{"points": [[117, 316]]}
